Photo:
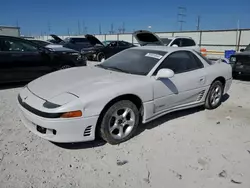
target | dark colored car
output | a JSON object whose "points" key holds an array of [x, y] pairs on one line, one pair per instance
{"points": [[111, 48], [40, 42], [91, 47], [24, 60], [77, 43], [241, 62]]}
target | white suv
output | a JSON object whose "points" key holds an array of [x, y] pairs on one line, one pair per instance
{"points": [[148, 38]]}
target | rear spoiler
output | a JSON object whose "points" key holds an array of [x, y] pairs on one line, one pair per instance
{"points": [[219, 60]]}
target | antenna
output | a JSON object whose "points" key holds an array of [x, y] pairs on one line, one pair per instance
{"points": [[181, 14]]}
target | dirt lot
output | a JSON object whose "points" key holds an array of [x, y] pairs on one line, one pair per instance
{"points": [[192, 148]]}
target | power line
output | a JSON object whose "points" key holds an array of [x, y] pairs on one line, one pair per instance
{"points": [[181, 14]]}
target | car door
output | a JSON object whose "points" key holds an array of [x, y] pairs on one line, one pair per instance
{"points": [[185, 88], [78, 44], [23, 60], [111, 49], [121, 45]]}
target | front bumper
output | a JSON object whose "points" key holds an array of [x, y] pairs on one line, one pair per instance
{"points": [[61, 130], [90, 55]]}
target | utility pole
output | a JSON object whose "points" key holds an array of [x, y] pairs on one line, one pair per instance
{"points": [[120, 30], [68, 32], [181, 14], [83, 27], [123, 27], [17, 24], [49, 28], [198, 23], [111, 29], [100, 29], [79, 27]]}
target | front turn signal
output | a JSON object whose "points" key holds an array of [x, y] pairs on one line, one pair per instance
{"points": [[72, 114]]}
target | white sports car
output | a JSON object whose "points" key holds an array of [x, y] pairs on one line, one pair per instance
{"points": [[110, 99]]}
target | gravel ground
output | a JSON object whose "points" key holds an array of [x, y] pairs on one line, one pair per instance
{"points": [[191, 148]]}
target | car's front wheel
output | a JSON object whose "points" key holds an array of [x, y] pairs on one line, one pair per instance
{"points": [[214, 96], [119, 123], [100, 57]]}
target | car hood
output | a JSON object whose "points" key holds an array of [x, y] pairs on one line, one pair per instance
{"points": [[93, 40], [56, 38], [79, 81], [243, 53], [145, 37], [59, 48]]}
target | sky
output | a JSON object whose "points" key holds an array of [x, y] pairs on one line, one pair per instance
{"points": [[63, 17]]}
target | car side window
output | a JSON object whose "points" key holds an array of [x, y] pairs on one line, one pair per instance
{"points": [[113, 44], [188, 42], [180, 62], [123, 44], [177, 42], [198, 61], [16, 46]]}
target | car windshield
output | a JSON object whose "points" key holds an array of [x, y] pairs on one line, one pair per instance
{"points": [[40, 42], [106, 42], [166, 41], [133, 61], [248, 48]]}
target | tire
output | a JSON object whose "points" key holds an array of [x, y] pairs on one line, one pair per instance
{"points": [[100, 57], [214, 96], [235, 75], [113, 127], [64, 67]]}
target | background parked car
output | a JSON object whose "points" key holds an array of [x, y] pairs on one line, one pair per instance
{"points": [[109, 49], [87, 42], [148, 38], [24, 60], [241, 62]]}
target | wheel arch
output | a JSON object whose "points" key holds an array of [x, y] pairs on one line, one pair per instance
{"points": [[131, 97], [221, 79]]}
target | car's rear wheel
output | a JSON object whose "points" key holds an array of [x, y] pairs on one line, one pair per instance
{"points": [[100, 57], [214, 96], [119, 123]]}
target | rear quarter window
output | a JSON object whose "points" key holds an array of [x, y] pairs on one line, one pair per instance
{"points": [[204, 58]]}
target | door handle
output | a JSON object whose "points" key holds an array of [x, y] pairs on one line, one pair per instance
{"points": [[202, 79]]}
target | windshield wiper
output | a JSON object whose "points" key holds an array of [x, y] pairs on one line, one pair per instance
{"points": [[117, 69], [112, 68]]}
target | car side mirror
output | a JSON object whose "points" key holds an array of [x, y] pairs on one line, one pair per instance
{"points": [[42, 50], [175, 45], [242, 50], [164, 73]]}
